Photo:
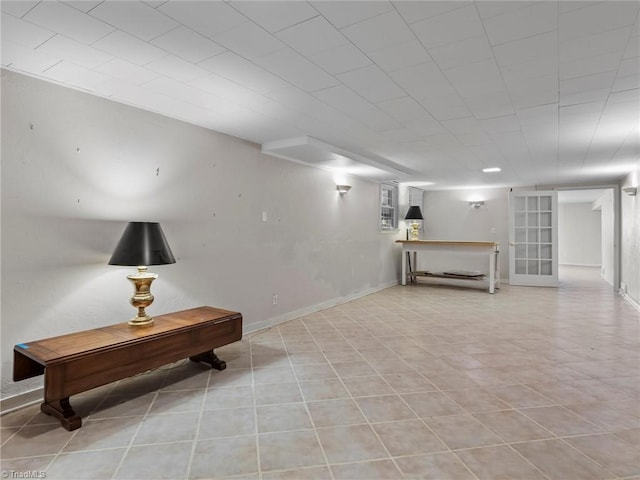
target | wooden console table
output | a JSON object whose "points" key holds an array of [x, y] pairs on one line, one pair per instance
{"points": [[81, 361], [491, 249]]}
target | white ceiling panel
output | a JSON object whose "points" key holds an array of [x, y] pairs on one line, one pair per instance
{"points": [[597, 18], [455, 54], [17, 8], [299, 71], [249, 41], [522, 23], [340, 59], [235, 68], [400, 55], [74, 52], [433, 89], [342, 13], [24, 33], [176, 68], [207, 18], [187, 44], [68, 21], [312, 36], [26, 60], [124, 70], [372, 83], [274, 16], [367, 36], [138, 19], [449, 27]]}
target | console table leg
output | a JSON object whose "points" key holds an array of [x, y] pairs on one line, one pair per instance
{"points": [[61, 409], [211, 358]]}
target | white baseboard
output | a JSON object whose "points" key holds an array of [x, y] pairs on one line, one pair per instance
{"points": [[11, 404], [22, 400], [271, 322], [631, 301]]}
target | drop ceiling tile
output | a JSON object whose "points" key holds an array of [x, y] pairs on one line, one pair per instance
{"points": [[245, 73], [347, 101], [597, 18], [628, 82], [299, 71], [187, 44], [274, 16], [24, 33], [128, 47], [21, 58], [446, 107], [590, 82], [585, 96], [340, 59], [426, 126], [312, 36], [366, 34], [527, 49], [343, 13], [249, 41], [501, 125], [136, 18], [123, 70], [590, 65], [455, 54], [68, 21], [462, 126], [83, 5], [632, 50], [475, 78], [400, 55], [371, 83], [539, 18], [413, 11], [403, 109], [74, 52], [539, 90], [597, 44], [70, 74], [529, 70], [450, 27], [186, 93], [629, 66], [489, 105], [176, 68], [493, 8], [206, 18], [422, 80], [17, 8]]}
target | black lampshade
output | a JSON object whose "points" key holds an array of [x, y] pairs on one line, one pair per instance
{"points": [[142, 243], [414, 213]]}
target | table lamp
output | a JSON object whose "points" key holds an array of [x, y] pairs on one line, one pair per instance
{"points": [[415, 215], [142, 244]]}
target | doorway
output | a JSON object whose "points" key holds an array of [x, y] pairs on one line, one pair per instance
{"points": [[587, 234]]}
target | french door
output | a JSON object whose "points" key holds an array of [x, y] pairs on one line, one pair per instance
{"points": [[533, 238]]}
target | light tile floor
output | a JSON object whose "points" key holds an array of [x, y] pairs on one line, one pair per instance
{"points": [[419, 382]]}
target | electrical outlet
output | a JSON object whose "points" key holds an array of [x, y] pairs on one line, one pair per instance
{"points": [[275, 299]]}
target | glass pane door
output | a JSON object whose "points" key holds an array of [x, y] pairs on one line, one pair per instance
{"points": [[533, 238]]}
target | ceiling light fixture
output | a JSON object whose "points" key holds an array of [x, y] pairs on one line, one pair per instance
{"points": [[491, 169]]}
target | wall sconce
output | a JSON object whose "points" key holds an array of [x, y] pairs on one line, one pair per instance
{"points": [[476, 203], [631, 191], [342, 189]]}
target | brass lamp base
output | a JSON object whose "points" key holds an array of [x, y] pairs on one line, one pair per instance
{"points": [[142, 297], [415, 231]]}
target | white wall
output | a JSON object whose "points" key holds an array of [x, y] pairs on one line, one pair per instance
{"points": [[76, 168], [579, 234], [448, 216], [630, 237], [605, 205]]}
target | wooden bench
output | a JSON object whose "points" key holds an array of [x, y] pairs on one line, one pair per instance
{"points": [[80, 361]]}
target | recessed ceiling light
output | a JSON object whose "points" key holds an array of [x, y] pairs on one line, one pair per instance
{"points": [[491, 169]]}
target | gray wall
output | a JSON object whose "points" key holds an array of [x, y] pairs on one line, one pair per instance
{"points": [[76, 168]]}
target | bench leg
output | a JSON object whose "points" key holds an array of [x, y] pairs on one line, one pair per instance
{"points": [[210, 358], [61, 409]]}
